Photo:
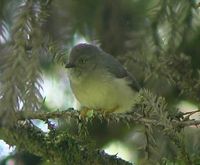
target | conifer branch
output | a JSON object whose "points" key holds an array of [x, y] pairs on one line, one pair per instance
{"points": [[58, 148], [131, 117]]}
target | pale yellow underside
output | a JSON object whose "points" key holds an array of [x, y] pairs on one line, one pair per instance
{"points": [[104, 92]]}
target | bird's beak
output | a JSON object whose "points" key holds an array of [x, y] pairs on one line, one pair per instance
{"points": [[69, 65]]}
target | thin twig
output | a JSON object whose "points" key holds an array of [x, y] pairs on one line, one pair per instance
{"points": [[191, 112]]}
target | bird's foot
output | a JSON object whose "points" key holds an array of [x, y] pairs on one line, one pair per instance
{"points": [[85, 112], [107, 112]]}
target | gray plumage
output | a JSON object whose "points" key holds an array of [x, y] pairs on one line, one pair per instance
{"points": [[99, 81], [119, 71], [111, 64]]}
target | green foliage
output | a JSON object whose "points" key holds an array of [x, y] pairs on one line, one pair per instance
{"points": [[21, 68], [157, 40]]}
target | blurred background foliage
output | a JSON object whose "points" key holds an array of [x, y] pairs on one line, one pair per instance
{"points": [[156, 40]]}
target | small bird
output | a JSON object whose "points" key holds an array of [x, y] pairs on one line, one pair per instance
{"points": [[99, 82]]}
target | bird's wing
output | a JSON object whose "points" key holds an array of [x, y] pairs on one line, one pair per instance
{"points": [[119, 71]]}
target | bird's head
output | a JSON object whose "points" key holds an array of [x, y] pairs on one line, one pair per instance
{"points": [[82, 60]]}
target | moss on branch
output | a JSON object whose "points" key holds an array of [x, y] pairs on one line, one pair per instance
{"points": [[60, 148]]}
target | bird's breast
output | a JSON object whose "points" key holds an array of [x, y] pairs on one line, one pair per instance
{"points": [[104, 92]]}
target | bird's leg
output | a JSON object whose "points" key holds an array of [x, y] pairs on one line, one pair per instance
{"points": [[106, 112], [84, 112]]}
